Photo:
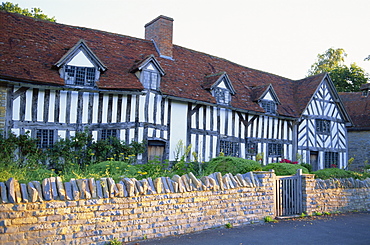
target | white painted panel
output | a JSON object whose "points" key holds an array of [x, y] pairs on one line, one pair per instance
{"points": [[268, 96], [178, 125], [200, 147], [230, 123], [62, 134], [222, 121], [150, 132], [259, 128], [105, 108], [133, 108], [207, 153], [72, 133], [237, 127], [242, 150], [159, 109], [150, 108], [40, 106], [15, 131], [114, 108], [51, 106], [94, 135], [62, 106], [80, 60], [123, 109], [131, 135], [95, 108], [85, 107], [28, 116], [122, 134], [16, 108], [166, 116], [141, 134], [73, 109], [201, 118], [208, 120]]}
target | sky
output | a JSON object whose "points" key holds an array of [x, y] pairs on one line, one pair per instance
{"points": [[282, 37]]}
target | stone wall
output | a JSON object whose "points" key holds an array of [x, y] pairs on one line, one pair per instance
{"points": [[77, 212], [135, 216], [335, 195]]}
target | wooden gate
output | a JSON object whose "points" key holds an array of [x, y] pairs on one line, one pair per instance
{"points": [[289, 195]]}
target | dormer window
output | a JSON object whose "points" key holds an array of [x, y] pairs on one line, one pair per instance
{"points": [[266, 98], [222, 96], [269, 106], [149, 72], [80, 66], [220, 86], [83, 76], [150, 78]]}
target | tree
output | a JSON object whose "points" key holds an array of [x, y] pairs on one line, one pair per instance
{"points": [[35, 12], [345, 79]]}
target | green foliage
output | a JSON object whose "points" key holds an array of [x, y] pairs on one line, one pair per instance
{"points": [[285, 168], [345, 79], [233, 165], [115, 241], [329, 173], [80, 149], [308, 166], [228, 225], [154, 169], [269, 219], [34, 12]]}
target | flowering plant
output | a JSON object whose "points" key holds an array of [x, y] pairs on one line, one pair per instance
{"points": [[288, 161]]}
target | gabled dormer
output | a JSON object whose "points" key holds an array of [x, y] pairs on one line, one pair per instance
{"points": [[267, 98], [80, 66], [149, 72], [220, 86]]}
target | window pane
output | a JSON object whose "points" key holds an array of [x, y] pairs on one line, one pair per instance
{"points": [[45, 138]]}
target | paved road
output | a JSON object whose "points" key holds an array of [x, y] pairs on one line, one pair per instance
{"points": [[349, 228]]}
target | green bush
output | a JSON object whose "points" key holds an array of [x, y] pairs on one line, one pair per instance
{"points": [[233, 165], [285, 168], [329, 173], [308, 166]]}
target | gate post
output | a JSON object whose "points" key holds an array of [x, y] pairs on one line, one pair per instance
{"points": [[308, 189]]}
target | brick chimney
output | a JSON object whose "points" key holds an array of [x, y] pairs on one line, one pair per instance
{"points": [[160, 31]]}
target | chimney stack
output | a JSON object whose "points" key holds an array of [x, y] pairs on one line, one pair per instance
{"points": [[160, 31]]}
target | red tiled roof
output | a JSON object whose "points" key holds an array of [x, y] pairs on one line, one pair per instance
{"points": [[30, 48], [358, 107]]}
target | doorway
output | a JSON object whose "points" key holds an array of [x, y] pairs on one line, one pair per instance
{"points": [[314, 160]]}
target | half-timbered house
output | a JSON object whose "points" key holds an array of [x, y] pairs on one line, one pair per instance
{"points": [[57, 79]]}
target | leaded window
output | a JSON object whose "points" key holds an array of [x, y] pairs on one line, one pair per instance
{"points": [[331, 159], [252, 148], [275, 149], [45, 138], [322, 126], [108, 133], [150, 79], [80, 76], [222, 96], [229, 148], [269, 106]]}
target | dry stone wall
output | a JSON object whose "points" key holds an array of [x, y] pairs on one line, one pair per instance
{"points": [[96, 211], [335, 195]]}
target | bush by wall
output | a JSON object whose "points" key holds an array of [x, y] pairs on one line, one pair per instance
{"points": [[233, 165], [284, 168]]}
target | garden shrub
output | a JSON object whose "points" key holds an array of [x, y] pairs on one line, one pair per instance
{"points": [[308, 166], [329, 173], [285, 168], [233, 165]]}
